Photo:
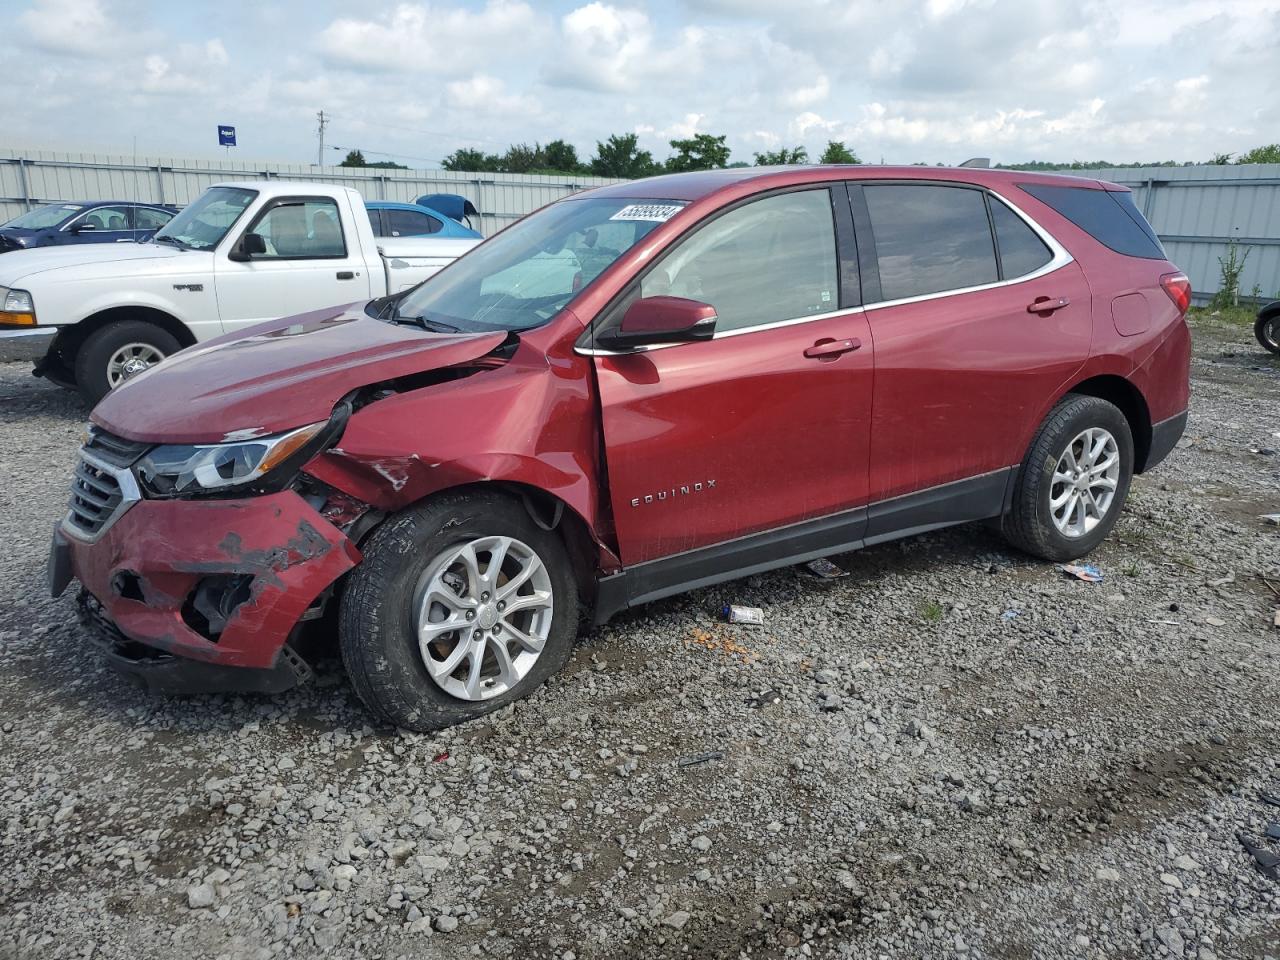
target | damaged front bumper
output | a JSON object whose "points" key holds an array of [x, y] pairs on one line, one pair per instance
{"points": [[197, 595]]}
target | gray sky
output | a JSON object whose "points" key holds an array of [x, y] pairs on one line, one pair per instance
{"points": [[909, 80]]}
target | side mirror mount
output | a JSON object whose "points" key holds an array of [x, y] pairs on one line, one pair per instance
{"points": [[248, 246], [654, 320], [83, 227]]}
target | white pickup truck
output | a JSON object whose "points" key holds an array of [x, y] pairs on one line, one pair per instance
{"points": [[239, 254]]}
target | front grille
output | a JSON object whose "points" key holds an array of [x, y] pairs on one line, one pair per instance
{"points": [[95, 497], [102, 487], [116, 451]]}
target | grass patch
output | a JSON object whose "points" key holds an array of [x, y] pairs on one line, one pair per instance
{"points": [[932, 611], [1232, 316]]}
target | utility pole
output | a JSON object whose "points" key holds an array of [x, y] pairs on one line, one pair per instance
{"points": [[320, 133]]}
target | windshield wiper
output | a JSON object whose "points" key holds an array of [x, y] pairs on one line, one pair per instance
{"points": [[168, 239], [431, 326]]}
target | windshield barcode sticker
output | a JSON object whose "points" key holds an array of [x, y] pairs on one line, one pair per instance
{"points": [[653, 212]]}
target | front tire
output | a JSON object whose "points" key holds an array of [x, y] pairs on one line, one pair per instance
{"points": [[460, 606], [118, 351], [1074, 481]]}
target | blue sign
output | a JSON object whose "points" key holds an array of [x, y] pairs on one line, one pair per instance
{"points": [[226, 136]]}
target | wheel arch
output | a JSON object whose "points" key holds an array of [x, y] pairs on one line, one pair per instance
{"points": [[71, 337], [551, 513], [1123, 394]]}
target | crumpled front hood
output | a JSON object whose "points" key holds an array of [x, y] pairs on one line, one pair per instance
{"points": [[276, 376]]}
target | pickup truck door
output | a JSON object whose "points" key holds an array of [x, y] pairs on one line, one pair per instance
{"points": [[313, 259], [764, 426]]}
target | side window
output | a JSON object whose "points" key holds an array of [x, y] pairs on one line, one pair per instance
{"points": [[1021, 251], [150, 218], [301, 229], [105, 218], [1109, 217], [772, 259], [408, 223], [930, 239]]}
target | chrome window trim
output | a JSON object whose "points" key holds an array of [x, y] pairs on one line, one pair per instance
{"points": [[111, 206], [1059, 260], [130, 493]]}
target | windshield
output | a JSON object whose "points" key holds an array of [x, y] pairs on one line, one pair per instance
{"points": [[202, 223], [523, 276], [41, 218]]}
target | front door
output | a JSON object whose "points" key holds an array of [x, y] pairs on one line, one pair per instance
{"points": [[99, 225], [767, 424], [310, 262]]}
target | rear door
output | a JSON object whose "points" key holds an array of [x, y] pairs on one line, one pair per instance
{"points": [[764, 426], [313, 260], [964, 361], [147, 220]]}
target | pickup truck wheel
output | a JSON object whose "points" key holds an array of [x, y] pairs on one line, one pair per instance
{"points": [[1073, 483], [118, 351], [460, 606]]}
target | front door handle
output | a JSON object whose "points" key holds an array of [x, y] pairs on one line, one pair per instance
{"points": [[1046, 305], [346, 275], [831, 349]]}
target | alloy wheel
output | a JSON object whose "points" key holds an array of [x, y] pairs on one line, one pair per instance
{"points": [[130, 360], [1084, 482], [484, 611]]}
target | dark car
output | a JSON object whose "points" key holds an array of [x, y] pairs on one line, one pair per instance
{"points": [[714, 374], [91, 221]]}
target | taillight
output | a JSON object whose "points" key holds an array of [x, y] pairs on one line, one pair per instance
{"points": [[1178, 287]]}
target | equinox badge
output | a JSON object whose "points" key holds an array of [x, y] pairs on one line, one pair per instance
{"points": [[670, 494]]}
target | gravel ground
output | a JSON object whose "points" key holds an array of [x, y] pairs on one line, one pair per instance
{"points": [[954, 752]]}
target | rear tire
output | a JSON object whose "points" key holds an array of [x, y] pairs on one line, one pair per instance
{"points": [[1267, 330], [1054, 516], [112, 354], [390, 628]]}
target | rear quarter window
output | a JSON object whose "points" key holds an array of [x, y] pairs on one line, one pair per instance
{"points": [[1109, 217]]}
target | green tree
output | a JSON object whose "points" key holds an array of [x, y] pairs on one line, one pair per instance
{"points": [[561, 157], [771, 158], [1220, 159], [620, 156], [837, 152], [522, 158], [1268, 154], [354, 158], [472, 161], [702, 151]]}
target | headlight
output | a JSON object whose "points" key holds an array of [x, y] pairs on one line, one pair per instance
{"points": [[171, 470], [16, 307]]}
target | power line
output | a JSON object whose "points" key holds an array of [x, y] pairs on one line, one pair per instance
{"points": [[384, 153]]}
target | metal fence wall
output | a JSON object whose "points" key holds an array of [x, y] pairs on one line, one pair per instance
{"points": [[1197, 210], [30, 177]]}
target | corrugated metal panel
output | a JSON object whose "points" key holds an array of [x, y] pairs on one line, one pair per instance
{"points": [[37, 176], [1196, 210]]}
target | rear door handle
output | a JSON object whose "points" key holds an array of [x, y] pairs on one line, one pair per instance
{"points": [[346, 275], [1047, 305], [831, 349]]}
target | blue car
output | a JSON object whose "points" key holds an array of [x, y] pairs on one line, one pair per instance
{"points": [[437, 215], [92, 221]]}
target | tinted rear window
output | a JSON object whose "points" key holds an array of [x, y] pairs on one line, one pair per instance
{"points": [[1021, 251], [1110, 218], [930, 239]]}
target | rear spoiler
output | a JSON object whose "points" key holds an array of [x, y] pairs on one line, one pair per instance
{"points": [[450, 204]]}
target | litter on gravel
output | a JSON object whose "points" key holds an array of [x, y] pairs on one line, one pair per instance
{"points": [[1082, 571]]}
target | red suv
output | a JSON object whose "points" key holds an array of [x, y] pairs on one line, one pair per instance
{"points": [[636, 391]]}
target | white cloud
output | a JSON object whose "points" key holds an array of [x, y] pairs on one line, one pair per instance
{"points": [[432, 38], [70, 26], [614, 49]]}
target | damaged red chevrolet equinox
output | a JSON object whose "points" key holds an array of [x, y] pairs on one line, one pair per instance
{"points": [[636, 391]]}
